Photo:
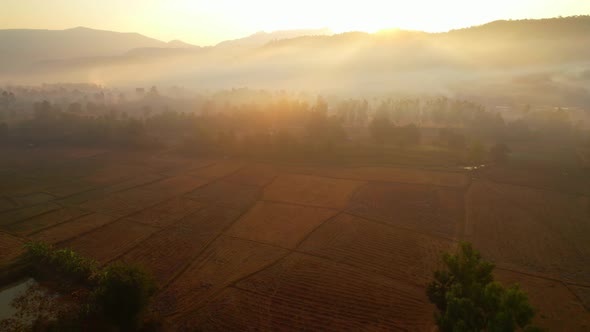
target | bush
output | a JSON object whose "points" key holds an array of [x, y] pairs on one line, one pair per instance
{"points": [[123, 294], [468, 298], [65, 261]]}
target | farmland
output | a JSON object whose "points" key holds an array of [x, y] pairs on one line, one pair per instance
{"points": [[240, 244]]}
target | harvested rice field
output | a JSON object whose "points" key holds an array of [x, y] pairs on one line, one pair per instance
{"points": [[250, 245]]}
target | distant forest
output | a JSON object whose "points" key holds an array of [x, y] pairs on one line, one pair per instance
{"points": [[259, 123]]}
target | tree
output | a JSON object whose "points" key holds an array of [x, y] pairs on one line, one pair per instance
{"points": [[124, 293], [452, 139], [323, 131], [406, 135], [499, 152], [380, 129], [468, 298], [476, 153]]}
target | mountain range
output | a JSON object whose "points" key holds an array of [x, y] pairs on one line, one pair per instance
{"points": [[513, 58]]}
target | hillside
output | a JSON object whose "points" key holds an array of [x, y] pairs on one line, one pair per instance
{"points": [[535, 61], [23, 47]]}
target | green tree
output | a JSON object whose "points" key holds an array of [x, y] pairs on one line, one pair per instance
{"points": [[124, 293], [380, 129], [476, 152], [499, 152], [468, 298]]}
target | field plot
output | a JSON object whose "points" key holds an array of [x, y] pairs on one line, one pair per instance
{"points": [[15, 185], [106, 243], [32, 199], [311, 190], [175, 185], [304, 293], [283, 225], [169, 164], [396, 253], [217, 170], [583, 293], [73, 228], [167, 252], [13, 216], [25, 158], [566, 216], [110, 174], [559, 310], [7, 204], [69, 187], [537, 175], [426, 208], [254, 175], [232, 195], [64, 170], [125, 202], [167, 212], [100, 192], [10, 248], [388, 174], [513, 237], [224, 262], [45, 220]]}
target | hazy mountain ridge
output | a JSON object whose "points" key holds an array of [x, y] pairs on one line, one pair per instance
{"points": [[21, 47], [260, 38], [544, 59]]}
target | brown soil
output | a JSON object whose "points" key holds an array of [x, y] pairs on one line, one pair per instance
{"points": [[10, 248], [558, 309], [232, 195], [308, 293], [110, 241], [426, 208], [280, 224], [166, 213], [525, 238], [397, 253], [168, 252], [311, 190], [224, 262], [252, 246], [48, 219], [73, 228]]}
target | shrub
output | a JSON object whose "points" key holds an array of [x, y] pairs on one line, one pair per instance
{"points": [[123, 294], [468, 298], [65, 261]]}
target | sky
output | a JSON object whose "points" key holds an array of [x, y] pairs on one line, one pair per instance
{"points": [[209, 22]]}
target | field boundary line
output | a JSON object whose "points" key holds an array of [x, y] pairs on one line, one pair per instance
{"points": [[86, 213], [158, 231], [375, 181], [462, 231], [310, 233], [59, 206], [587, 307], [20, 237], [540, 220], [327, 258], [127, 216], [537, 188], [300, 204], [412, 230], [208, 245]]}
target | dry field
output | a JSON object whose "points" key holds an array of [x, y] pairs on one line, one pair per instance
{"points": [[238, 245], [426, 208], [311, 190], [527, 229]]}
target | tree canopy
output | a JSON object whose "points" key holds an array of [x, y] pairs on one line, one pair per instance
{"points": [[468, 298]]}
